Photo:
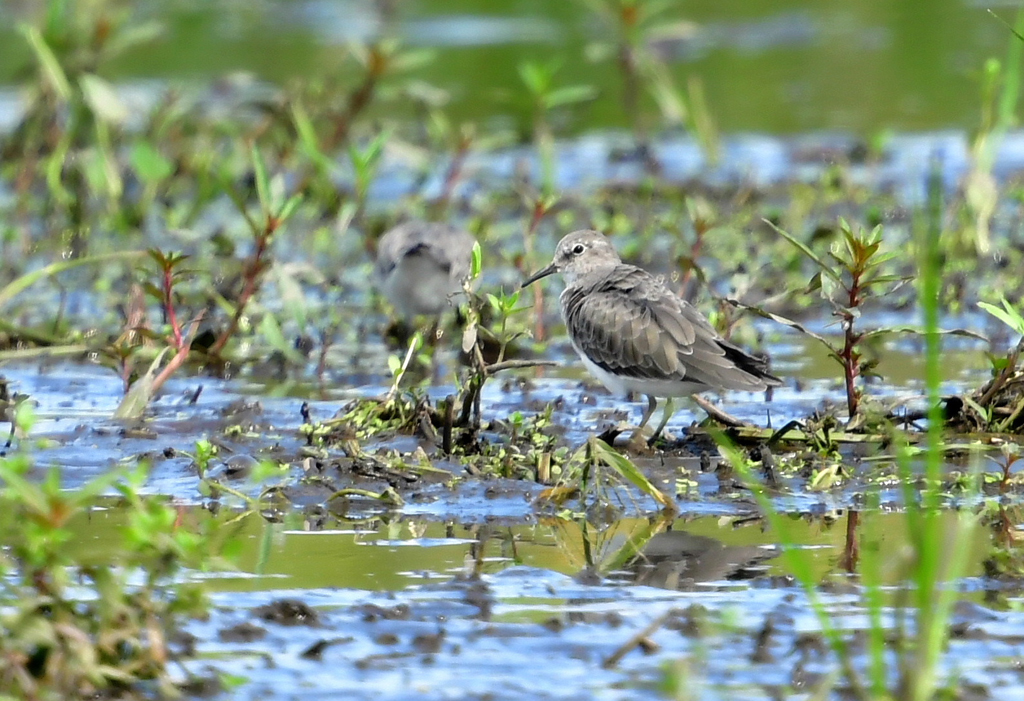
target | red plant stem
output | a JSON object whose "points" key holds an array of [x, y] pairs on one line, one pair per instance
{"points": [[453, 175], [252, 276], [172, 317], [851, 358], [851, 551], [360, 98], [179, 357]]}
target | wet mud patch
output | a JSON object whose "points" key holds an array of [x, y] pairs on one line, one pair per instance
{"points": [[498, 476]]}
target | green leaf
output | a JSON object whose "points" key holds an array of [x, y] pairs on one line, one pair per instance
{"points": [[259, 168], [569, 95], [394, 364], [271, 330], [102, 99], [477, 262], [25, 491], [52, 70], [134, 404], [469, 336], [1008, 315], [131, 37], [22, 283], [265, 469], [536, 77], [786, 322], [825, 267], [411, 60], [149, 164], [829, 287], [910, 330], [308, 140], [622, 465], [366, 157], [289, 207]]}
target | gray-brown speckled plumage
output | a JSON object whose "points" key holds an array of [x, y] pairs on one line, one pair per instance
{"points": [[635, 334]]}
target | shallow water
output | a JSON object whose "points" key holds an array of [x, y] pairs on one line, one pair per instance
{"points": [[407, 607], [73, 402], [474, 587]]}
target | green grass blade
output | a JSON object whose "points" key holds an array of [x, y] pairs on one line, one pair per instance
{"points": [[22, 283], [1006, 314], [48, 61], [825, 268], [628, 471]]}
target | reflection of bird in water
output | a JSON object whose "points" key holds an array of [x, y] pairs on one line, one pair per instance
{"points": [[678, 560]]}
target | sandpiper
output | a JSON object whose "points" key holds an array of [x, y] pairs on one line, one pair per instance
{"points": [[421, 267], [635, 335]]}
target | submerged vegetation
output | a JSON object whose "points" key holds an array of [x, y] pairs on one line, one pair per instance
{"points": [[230, 234]]}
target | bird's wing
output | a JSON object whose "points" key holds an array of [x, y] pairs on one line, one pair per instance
{"points": [[630, 324]]}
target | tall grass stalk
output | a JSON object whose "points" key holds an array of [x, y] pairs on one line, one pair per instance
{"points": [[998, 115], [931, 583]]}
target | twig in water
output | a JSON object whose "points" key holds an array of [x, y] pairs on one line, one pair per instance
{"points": [[637, 640], [449, 418], [719, 415], [1004, 375], [413, 346], [389, 495]]}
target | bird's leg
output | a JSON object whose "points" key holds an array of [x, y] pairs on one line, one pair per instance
{"points": [[652, 404], [669, 411], [636, 438]]}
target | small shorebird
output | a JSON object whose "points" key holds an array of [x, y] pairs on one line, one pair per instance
{"points": [[635, 335], [421, 267]]}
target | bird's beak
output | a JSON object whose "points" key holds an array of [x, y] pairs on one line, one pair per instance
{"points": [[542, 273]]}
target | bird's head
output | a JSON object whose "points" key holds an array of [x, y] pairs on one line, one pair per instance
{"points": [[578, 254]]}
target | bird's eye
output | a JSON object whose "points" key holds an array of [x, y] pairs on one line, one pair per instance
{"points": [[578, 249]]}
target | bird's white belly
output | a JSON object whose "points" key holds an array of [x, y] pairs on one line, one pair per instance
{"points": [[621, 385]]}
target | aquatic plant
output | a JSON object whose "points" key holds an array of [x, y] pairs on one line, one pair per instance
{"points": [[583, 477], [505, 308], [997, 405], [937, 557], [1000, 88], [636, 24], [275, 207], [179, 340], [72, 626], [854, 277], [539, 80], [26, 280], [66, 135]]}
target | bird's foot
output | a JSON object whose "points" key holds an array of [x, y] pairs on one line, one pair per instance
{"points": [[612, 432], [637, 443], [663, 439]]}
